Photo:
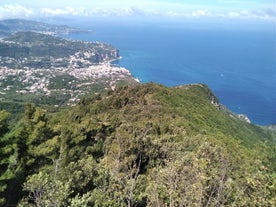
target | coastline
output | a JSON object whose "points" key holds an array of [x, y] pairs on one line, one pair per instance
{"points": [[185, 64]]}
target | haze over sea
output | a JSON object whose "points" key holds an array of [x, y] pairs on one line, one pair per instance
{"points": [[239, 65]]}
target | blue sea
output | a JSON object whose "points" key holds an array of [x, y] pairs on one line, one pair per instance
{"points": [[239, 66]]}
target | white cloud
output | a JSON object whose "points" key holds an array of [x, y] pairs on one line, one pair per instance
{"points": [[131, 11], [19, 11], [15, 11], [64, 11], [233, 14], [190, 14], [200, 13], [48, 11], [267, 14], [127, 11]]}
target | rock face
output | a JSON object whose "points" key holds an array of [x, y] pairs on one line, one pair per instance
{"points": [[272, 127], [36, 50], [244, 117]]}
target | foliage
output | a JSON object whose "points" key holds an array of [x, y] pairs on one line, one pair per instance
{"points": [[141, 146]]}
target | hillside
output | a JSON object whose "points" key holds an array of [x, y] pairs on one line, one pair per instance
{"points": [[52, 71], [145, 145], [36, 50], [10, 26]]}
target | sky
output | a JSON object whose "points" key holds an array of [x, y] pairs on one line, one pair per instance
{"points": [[261, 10]]}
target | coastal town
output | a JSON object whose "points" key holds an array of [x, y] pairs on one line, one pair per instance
{"points": [[34, 73], [81, 80]]}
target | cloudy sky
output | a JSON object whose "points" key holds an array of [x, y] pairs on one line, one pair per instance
{"points": [[264, 10]]}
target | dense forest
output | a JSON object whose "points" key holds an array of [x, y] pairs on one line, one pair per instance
{"points": [[143, 145]]}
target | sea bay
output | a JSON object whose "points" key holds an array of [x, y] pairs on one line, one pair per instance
{"points": [[238, 65]]}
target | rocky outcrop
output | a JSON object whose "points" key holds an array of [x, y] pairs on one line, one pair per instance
{"points": [[244, 117]]}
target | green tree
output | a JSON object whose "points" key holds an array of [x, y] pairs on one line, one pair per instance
{"points": [[13, 164], [45, 190], [3, 163], [19, 151], [4, 127]]}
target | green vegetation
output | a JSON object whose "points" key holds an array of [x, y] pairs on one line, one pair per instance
{"points": [[51, 71], [9, 26], [36, 50], [146, 145]]}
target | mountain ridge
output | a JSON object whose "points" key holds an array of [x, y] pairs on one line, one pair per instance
{"points": [[38, 45], [139, 146], [10, 26]]}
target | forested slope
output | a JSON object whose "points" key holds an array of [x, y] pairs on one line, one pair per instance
{"points": [[147, 145]]}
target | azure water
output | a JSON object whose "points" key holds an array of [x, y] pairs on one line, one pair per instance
{"points": [[238, 65]]}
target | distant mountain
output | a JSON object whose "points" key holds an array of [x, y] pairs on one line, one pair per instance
{"points": [[10, 26], [30, 48]]}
